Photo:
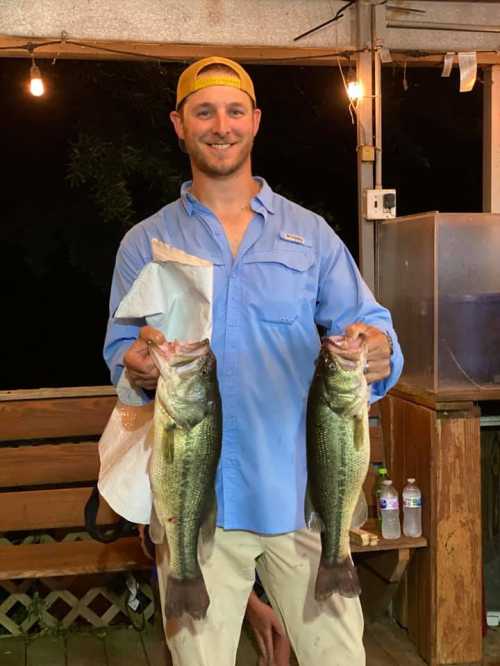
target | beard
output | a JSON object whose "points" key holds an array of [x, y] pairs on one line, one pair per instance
{"points": [[211, 165]]}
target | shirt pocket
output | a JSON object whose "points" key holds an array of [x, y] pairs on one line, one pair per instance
{"points": [[276, 283]]}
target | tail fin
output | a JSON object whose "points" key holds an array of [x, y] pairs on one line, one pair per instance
{"points": [[186, 596], [337, 578]]}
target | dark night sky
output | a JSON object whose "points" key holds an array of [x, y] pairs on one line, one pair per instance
{"points": [[58, 241]]}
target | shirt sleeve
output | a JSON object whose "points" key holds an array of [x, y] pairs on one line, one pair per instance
{"points": [[344, 298], [120, 335]]}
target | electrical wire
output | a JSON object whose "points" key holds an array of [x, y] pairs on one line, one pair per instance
{"points": [[415, 53], [352, 107], [30, 46], [337, 16]]}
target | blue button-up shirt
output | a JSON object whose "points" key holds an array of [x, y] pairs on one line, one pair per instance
{"points": [[291, 273]]}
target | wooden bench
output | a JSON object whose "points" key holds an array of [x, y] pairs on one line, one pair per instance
{"points": [[49, 463]]}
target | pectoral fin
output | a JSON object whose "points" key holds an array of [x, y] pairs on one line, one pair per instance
{"points": [[168, 443], [164, 432]]}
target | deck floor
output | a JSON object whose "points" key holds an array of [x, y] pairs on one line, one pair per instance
{"points": [[386, 645]]}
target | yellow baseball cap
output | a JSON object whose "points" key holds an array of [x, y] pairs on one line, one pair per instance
{"points": [[189, 82]]}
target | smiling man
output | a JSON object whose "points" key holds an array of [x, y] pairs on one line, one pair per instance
{"points": [[217, 127], [279, 272]]}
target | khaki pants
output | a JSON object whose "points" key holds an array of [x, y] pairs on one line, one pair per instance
{"points": [[330, 635]]}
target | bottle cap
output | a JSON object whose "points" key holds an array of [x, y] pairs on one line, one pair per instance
{"points": [[387, 482], [411, 480]]}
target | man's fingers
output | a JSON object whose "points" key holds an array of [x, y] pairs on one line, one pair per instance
{"points": [[261, 645], [151, 335], [278, 629], [378, 353], [147, 382], [356, 330], [377, 370], [143, 375], [140, 367], [350, 358], [149, 385], [281, 650], [268, 641]]}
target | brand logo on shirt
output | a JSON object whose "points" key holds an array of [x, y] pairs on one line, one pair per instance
{"points": [[294, 238]]}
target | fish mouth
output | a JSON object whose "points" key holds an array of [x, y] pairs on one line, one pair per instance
{"points": [[190, 347], [182, 353], [192, 366], [333, 355]]}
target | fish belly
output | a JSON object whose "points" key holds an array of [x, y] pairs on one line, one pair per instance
{"points": [[182, 474], [338, 452]]}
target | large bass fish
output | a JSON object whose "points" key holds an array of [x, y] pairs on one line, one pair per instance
{"points": [[186, 451], [338, 452]]}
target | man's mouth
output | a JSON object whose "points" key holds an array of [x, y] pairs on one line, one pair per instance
{"points": [[220, 146]]}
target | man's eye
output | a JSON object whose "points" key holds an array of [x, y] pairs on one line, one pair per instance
{"points": [[203, 114], [236, 113]]}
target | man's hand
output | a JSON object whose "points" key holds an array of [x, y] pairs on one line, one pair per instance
{"points": [[146, 543], [378, 360], [139, 365], [270, 636]]}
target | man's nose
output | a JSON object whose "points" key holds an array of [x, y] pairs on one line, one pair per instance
{"points": [[221, 123]]}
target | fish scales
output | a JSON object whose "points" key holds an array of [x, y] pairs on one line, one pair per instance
{"points": [[186, 451], [338, 453], [188, 493]]}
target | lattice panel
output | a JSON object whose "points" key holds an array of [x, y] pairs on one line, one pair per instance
{"points": [[46, 536], [33, 606]]}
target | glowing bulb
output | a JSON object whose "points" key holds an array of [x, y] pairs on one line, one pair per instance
{"points": [[36, 83], [354, 91]]}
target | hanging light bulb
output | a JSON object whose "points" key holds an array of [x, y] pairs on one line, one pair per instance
{"points": [[354, 91], [37, 87]]}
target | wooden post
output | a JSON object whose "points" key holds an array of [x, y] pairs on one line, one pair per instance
{"points": [[491, 140], [441, 449], [364, 119]]}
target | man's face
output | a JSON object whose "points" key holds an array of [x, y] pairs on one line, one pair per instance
{"points": [[218, 125]]}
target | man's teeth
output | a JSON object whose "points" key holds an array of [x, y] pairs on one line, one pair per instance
{"points": [[220, 146]]}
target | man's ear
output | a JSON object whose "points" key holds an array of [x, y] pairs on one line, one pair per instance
{"points": [[176, 120], [257, 114]]}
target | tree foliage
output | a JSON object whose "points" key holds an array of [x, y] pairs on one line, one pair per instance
{"points": [[124, 155]]}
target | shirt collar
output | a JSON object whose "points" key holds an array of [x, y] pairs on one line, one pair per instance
{"points": [[263, 201]]}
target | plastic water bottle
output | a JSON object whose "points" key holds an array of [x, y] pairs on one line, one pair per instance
{"points": [[412, 510], [381, 476], [389, 508]]}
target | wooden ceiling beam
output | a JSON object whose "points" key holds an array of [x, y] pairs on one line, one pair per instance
{"points": [[278, 55], [114, 50]]}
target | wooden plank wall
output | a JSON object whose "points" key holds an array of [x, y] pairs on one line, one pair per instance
{"points": [[457, 464], [442, 609]]}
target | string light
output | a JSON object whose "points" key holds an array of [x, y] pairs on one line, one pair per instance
{"points": [[355, 91], [37, 87]]}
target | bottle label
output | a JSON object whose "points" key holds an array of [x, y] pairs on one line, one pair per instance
{"points": [[412, 502], [389, 503]]}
